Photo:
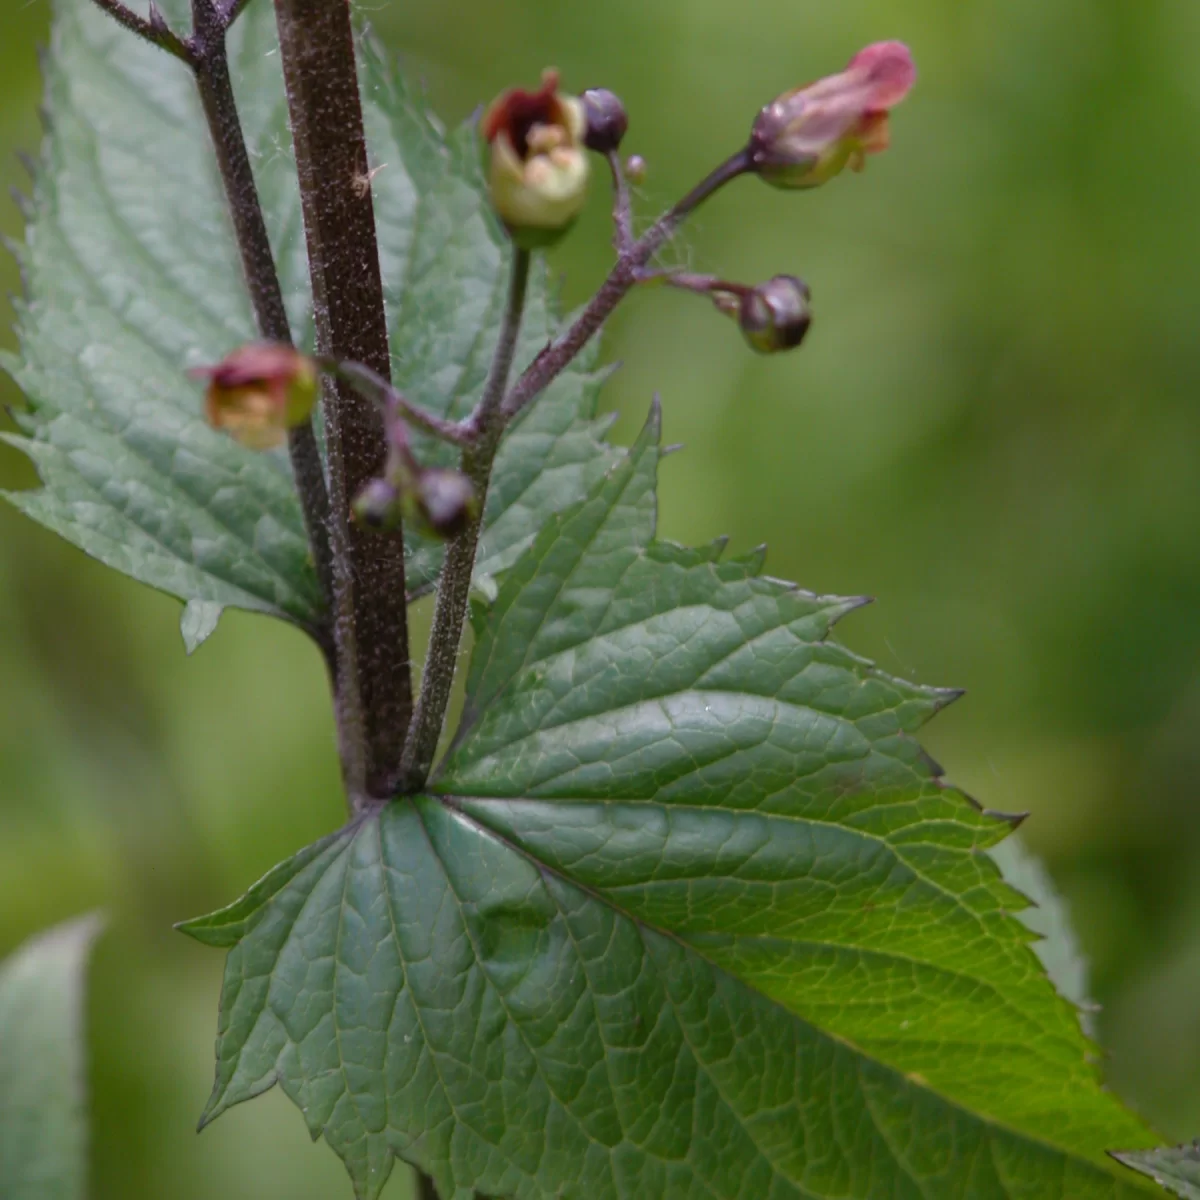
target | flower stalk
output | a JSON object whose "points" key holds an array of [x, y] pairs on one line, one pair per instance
{"points": [[154, 30], [485, 425], [625, 273]]}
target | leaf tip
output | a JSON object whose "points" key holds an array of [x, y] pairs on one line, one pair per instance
{"points": [[944, 697], [202, 930], [843, 606], [655, 418], [198, 622], [212, 1110], [1012, 820]]}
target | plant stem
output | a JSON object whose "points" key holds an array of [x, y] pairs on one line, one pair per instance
{"points": [[559, 355], [233, 10], [381, 391], [374, 686], [454, 584], [622, 206], [211, 67], [155, 33], [494, 412]]}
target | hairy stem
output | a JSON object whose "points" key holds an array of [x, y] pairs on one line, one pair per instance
{"points": [[374, 686], [625, 273], [457, 433], [233, 10], [494, 412], [154, 32], [454, 584], [211, 67], [622, 206]]}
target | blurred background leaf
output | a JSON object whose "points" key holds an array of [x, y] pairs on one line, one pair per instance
{"points": [[1176, 1168], [993, 428], [43, 1096]]}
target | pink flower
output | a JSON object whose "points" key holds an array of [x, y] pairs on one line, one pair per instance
{"points": [[259, 392], [809, 135]]}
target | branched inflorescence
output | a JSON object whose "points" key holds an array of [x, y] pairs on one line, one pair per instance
{"points": [[538, 171]]}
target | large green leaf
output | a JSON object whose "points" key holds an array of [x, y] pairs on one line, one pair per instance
{"points": [[687, 913], [132, 275], [43, 1125]]}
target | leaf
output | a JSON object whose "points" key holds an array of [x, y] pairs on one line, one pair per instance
{"points": [[1048, 916], [198, 622], [687, 913], [1175, 1168], [132, 275], [43, 1127]]}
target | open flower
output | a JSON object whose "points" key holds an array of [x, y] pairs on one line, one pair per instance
{"points": [[538, 170], [809, 135], [259, 392]]}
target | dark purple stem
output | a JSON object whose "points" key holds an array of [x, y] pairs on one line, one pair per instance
{"points": [[625, 273], [622, 206], [374, 687], [210, 63], [153, 31], [486, 424]]}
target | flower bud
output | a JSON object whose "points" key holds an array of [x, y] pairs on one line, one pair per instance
{"points": [[809, 135], [259, 392], [538, 171], [773, 316], [605, 120], [443, 501], [378, 505]]}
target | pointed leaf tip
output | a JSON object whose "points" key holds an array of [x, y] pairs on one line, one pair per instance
{"points": [[1176, 1168], [198, 622]]}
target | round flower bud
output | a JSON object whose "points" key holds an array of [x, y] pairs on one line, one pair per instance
{"points": [[537, 170], [259, 392], [605, 120], [775, 315], [377, 506], [443, 501]]}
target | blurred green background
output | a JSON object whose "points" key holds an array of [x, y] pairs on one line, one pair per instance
{"points": [[993, 429]]}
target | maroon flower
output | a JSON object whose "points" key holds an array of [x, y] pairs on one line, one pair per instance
{"points": [[538, 170], [258, 392]]}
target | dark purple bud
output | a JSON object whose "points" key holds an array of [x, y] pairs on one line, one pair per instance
{"points": [[605, 120], [377, 506], [775, 315], [444, 501]]}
